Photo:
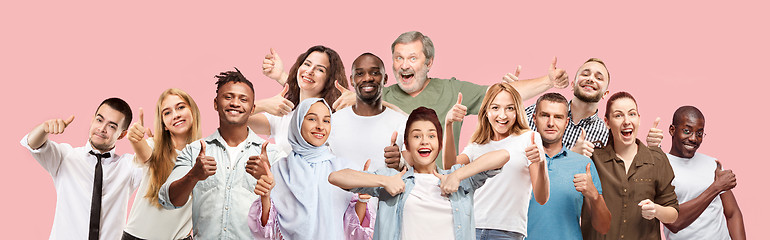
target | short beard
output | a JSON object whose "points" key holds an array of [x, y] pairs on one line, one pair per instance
{"points": [[585, 98]]}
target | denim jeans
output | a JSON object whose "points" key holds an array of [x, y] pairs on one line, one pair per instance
{"points": [[494, 234]]}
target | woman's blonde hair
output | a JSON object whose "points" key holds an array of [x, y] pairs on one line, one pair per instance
{"points": [[484, 131], [163, 156]]}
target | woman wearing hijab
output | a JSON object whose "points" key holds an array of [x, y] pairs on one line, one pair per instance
{"points": [[296, 200]]}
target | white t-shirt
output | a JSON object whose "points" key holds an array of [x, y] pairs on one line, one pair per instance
{"points": [[279, 132], [427, 214], [232, 152], [503, 201], [692, 177], [358, 138], [147, 221]]}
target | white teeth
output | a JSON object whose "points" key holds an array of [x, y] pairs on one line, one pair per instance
{"points": [[368, 88], [178, 123], [318, 135], [308, 79]]}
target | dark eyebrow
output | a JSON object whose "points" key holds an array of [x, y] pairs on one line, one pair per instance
{"points": [[110, 122]]}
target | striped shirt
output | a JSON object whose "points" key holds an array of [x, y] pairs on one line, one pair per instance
{"points": [[595, 128]]}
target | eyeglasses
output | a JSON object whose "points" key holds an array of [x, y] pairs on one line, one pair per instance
{"points": [[689, 133]]}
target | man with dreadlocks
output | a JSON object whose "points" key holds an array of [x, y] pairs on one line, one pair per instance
{"points": [[215, 171]]}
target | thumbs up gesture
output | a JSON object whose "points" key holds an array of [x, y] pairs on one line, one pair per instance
{"points": [[348, 98], [137, 131], [458, 111], [558, 76], [585, 184], [533, 152], [394, 185], [724, 179], [57, 126], [449, 183], [278, 105], [272, 66], [649, 209], [205, 166], [253, 165], [582, 146], [365, 197], [655, 136], [512, 77], [393, 153], [266, 182]]}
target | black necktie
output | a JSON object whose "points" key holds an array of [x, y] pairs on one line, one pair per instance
{"points": [[96, 198]]}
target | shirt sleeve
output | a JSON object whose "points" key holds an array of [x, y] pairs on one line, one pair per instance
{"points": [[470, 151], [595, 176], [478, 180], [530, 111], [50, 155], [274, 123], [664, 192], [184, 162], [255, 221], [473, 95], [374, 191], [354, 229]]}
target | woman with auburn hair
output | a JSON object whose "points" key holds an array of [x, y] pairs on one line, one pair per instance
{"points": [[313, 75], [422, 201], [636, 179], [177, 123], [501, 204]]}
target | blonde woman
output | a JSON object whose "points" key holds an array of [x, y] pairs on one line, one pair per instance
{"points": [[177, 123], [501, 204]]}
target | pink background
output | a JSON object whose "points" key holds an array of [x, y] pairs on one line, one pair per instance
{"points": [[63, 58]]}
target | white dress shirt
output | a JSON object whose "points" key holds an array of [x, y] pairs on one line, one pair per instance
{"points": [[72, 170]]}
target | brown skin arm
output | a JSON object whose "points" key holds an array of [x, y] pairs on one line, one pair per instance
{"points": [[691, 210], [733, 215]]}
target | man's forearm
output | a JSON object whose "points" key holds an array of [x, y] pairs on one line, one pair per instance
{"points": [[179, 191], [691, 210], [37, 137], [530, 88], [600, 214]]}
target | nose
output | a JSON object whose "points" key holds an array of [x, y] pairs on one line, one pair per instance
{"points": [[692, 137], [235, 102], [550, 122], [175, 114], [405, 65]]}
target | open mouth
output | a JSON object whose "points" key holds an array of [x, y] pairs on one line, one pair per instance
{"points": [[368, 88], [502, 123], [307, 79], [690, 146], [178, 123], [233, 112], [424, 152], [406, 75], [588, 87], [318, 135], [626, 133]]}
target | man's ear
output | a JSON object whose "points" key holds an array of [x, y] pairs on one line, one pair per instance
{"points": [[671, 129], [216, 108], [385, 79], [122, 134], [429, 63]]}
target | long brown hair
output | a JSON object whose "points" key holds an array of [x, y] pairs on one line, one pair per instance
{"points": [[163, 156], [484, 131], [336, 74]]}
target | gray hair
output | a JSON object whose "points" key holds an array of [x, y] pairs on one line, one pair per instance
{"points": [[412, 36]]}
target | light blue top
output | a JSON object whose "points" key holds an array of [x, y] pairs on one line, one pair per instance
{"points": [[390, 211], [559, 218], [221, 202]]}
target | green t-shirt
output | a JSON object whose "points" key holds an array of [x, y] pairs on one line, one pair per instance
{"points": [[440, 95]]}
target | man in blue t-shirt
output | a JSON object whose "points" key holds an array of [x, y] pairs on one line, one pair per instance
{"points": [[575, 185]]}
